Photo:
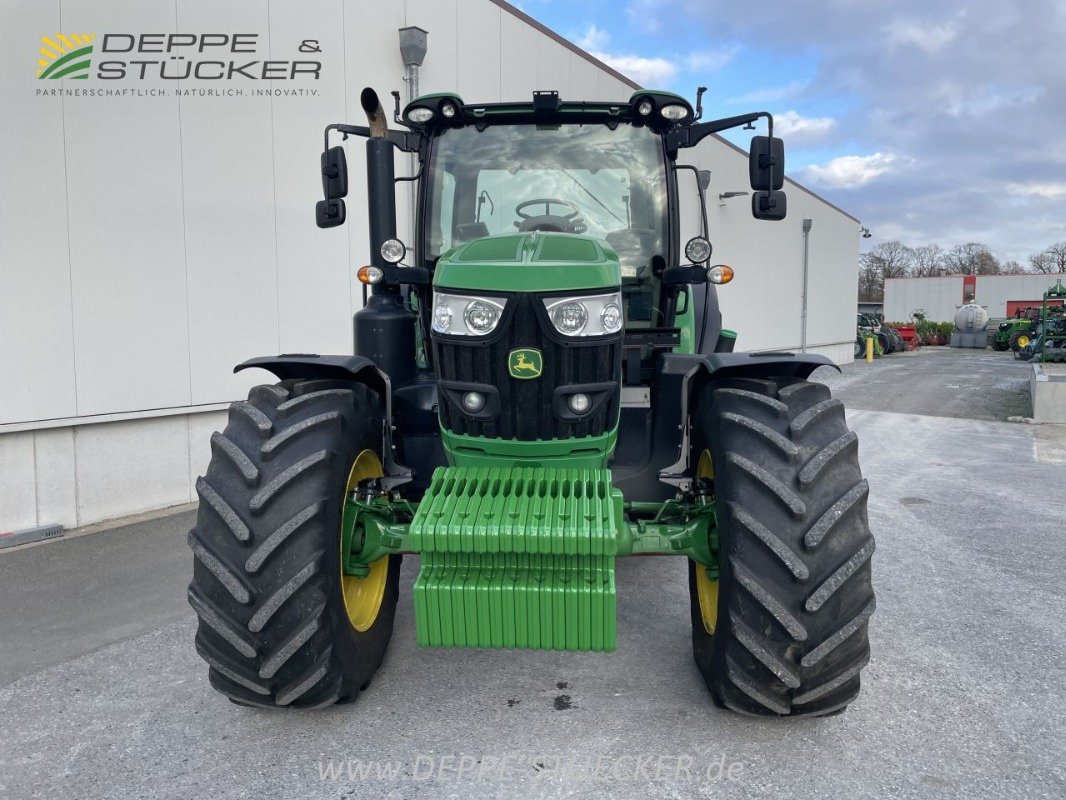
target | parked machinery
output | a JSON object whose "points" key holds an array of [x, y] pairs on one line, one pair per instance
{"points": [[1048, 342]]}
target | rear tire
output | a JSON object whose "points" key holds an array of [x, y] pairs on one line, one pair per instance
{"points": [[273, 626], [794, 594]]}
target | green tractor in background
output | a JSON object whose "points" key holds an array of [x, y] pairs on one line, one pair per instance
{"points": [[542, 385], [1014, 334], [1048, 335]]}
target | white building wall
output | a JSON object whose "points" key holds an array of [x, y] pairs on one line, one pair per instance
{"points": [[940, 297], [764, 301], [147, 245]]}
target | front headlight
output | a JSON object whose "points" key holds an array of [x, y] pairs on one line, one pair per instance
{"points": [[461, 315], [594, 315]]}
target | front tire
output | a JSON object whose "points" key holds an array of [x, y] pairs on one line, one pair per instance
{"points": [[267, 586], [786, 634]]}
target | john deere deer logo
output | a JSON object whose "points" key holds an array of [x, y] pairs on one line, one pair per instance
{"points": [[525, 363], [65, 55]]}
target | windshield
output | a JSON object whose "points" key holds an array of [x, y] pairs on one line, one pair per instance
{"points": [[571, 178]]}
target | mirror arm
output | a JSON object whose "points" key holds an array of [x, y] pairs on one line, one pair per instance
{"points": [[692, 135], [699, 103], [406, 141]]}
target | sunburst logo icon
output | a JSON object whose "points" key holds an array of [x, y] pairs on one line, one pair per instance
{"points": [[65, 55]]}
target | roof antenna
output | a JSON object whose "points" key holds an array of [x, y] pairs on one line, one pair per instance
{"points": [[699, 102]]}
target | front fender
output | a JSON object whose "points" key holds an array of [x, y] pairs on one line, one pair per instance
{"points": [[311, 366], [682, 376], [357, 369]]}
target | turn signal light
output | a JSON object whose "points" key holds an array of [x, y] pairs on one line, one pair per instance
{"points": [[369, 275], [720, 274]]}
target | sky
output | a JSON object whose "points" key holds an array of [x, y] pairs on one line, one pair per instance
{"points": [[932, 122]]}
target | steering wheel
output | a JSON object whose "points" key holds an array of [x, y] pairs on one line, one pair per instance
{"points": [[560, 223]]}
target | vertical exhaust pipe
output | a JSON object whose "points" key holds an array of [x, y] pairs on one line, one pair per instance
{"points": [[384, 329], [380, 188]]}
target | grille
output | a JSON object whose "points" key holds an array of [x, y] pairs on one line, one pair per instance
{"points": [[525, 410]]}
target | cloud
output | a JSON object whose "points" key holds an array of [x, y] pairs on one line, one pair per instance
{"points": [[1048, 190], [648, 14], [711, 59], [593, 39], [770, 94], [976, 99], [798, 129], [645, 70], [980, 101], [850, 172], [650, 72], [928, 37]]}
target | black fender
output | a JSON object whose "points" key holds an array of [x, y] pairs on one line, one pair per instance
{"points": [[679, 378], [357, 369], [311, 366]]}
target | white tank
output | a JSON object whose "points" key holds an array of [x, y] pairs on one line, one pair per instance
{"points": [[971, 317]]}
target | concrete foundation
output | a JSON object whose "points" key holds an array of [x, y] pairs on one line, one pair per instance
{"points": [[978, 339], [1047, 383]]}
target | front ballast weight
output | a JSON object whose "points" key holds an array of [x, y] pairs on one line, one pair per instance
{"points": [[520, 557]]}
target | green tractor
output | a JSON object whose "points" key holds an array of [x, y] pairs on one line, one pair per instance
{"points": [[541, 386], [1047, 342], [1013, 334]]}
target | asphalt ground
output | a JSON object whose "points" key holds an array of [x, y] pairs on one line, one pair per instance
{"points": [[103, 696], [937, 381]]}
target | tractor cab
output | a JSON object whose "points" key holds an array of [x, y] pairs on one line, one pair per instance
{"points": [[546, 229]]}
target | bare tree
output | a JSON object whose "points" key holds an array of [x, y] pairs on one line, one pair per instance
{"points": [[886, 260], [1011, 267], [927, 261], [1051, 259], [972, 258]]}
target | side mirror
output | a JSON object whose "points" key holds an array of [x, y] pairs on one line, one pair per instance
{"points": [[692, 274], [769, 205], [416, 276], [334, 173], [766, 163], [329, 213]]}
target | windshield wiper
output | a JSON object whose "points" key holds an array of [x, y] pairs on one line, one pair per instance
{"points": [[594, 197]]}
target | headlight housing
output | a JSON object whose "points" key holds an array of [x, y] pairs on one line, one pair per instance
{"points": [[393, 250], [586, 315], [698, 250], [462, 315], [420, 115], [674, 112]]}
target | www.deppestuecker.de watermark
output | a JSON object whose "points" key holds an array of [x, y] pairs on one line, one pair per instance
{"points": [[590, 768]]}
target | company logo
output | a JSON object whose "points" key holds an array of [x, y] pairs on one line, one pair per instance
{"points": [[173, 57], [65, 55], [525, 363]]}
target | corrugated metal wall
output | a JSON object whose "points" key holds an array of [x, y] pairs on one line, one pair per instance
{"points": [[149, 244]]}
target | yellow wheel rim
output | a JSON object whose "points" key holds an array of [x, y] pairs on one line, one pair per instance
{"points": [[706, 589], [1023, 341], [363, 595]]}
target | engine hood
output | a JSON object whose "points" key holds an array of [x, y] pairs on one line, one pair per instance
{"points": [[530, 262]]}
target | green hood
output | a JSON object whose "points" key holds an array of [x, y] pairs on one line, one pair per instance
{"points": [[525, 262]]}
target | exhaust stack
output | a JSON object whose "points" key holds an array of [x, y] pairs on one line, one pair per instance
{"points": [[380, 188], [384, 329]]}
